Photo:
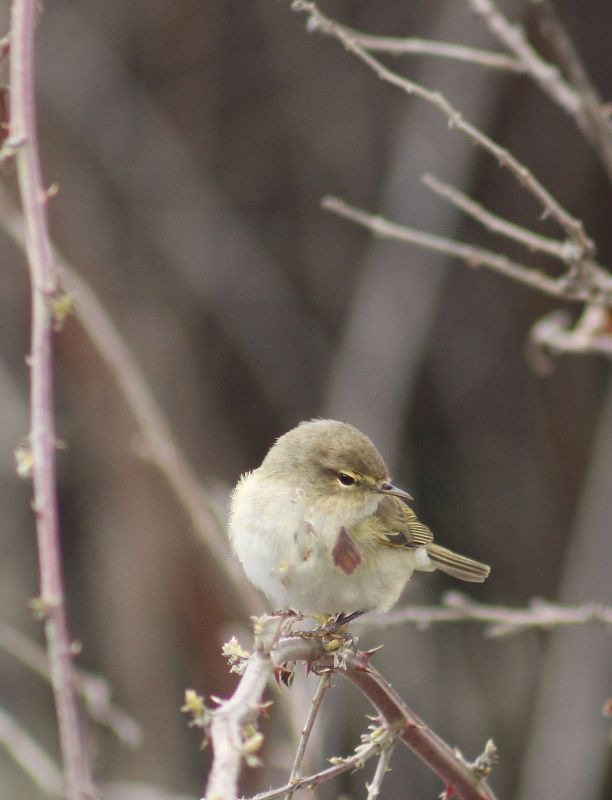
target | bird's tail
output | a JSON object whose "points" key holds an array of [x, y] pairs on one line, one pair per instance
{"points": [[462, 567]]}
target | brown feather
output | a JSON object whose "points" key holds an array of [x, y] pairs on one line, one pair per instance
{"points": [[400, 526], [462, 567]]}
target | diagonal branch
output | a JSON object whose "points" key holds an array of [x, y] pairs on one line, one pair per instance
{"points": [[546, 75], [564, 251], [29, 755], [475, 256], [596, 122], [573, 226]]}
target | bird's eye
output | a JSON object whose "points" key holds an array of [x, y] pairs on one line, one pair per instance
{"points": [[346, 479]]}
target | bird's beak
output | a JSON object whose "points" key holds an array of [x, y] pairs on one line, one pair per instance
{"points": [[389, 488]]}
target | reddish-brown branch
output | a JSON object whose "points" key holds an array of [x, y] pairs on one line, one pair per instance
{"points": [[22, 142], [415, 733], [227, 723]]}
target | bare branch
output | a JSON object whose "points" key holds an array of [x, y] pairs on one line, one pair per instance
{"points": [[501, 620], [22, 142], [398, 46], [546, 75], [593, 116], [473, 256], [414, 733], [551, 207], [324, 684], [29, 755], [564, 251]]}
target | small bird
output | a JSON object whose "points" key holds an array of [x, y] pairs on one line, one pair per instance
{"points": [[320, 528]]}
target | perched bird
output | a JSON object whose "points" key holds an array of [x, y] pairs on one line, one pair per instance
{"points": [[320, 528]]}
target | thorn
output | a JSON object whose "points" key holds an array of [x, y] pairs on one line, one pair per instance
{"points": [[367, 654]]}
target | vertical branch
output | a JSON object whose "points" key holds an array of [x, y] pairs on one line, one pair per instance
{"points": [[44, 284]]}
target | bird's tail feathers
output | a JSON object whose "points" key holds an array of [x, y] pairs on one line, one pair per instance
{"points": [[461, 567]]}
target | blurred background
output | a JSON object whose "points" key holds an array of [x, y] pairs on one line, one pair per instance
{"points": [[192, 143]]}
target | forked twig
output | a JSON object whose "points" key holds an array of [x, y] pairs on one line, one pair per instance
{"points": [[551, 207], [473, 256], [564, 251]]}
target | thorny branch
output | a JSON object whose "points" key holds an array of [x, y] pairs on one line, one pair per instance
{"points": [[22, 144], [234, 736]]}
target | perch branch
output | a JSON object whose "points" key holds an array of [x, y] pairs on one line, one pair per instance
{"points": [[501, 620], [551, 207], [22, 143], [228, 723]]}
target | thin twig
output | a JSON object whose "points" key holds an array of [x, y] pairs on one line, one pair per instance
{"points": [[551, 207], [399, 46], [473, 256], [324, 684], [368, 748], [564, 251], [23, 142], [93, 689], [381, 770], [596, 121], [546, 75], [501, 620], [29, 755]]}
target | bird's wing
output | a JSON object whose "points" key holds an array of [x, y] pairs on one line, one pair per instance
{"points": [[399, 526]]}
